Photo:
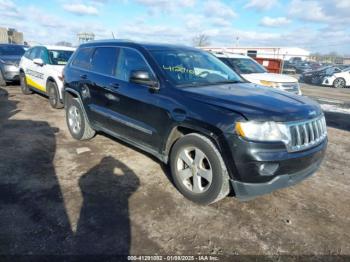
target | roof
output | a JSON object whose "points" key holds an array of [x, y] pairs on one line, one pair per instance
{"points": [[148, 46], [56, 47], [229, 55]]}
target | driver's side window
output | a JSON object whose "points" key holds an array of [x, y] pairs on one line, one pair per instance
{"points": [[130, 60]]}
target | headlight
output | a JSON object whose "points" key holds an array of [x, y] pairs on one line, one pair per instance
{"points": [[264, 131], [269, 83]]}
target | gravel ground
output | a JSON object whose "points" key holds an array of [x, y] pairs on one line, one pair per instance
{"points": [[61, 196]]}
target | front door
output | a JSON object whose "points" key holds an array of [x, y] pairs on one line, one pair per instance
{"points": [[137, 114]]}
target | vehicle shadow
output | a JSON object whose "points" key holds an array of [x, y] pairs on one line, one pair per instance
{"points": [[165, 168], [33, 218], [338, 120], [104, 226], [33, 215]]}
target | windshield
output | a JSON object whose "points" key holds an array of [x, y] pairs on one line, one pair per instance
{"points": [[194, 68], [59, 57], [11, 50], [246, 66]]}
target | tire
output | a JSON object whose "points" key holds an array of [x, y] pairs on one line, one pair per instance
{"points": [[208, 169], [2, 79], [77, 121], [24, 86], [54, 97], [339, 83]]}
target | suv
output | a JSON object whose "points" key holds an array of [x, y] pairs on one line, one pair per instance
{"points": [[41, 71], [253, 72], [218, 133], [10, 55]]}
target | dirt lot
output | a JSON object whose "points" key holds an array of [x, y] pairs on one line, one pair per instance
{"points": [[60, 196]]}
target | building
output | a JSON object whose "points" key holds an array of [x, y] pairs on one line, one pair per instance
{"points": [[4, 39], [10, 36], [85, 37], [284, 53], [346, 60]]}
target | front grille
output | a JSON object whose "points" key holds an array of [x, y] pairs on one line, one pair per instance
{"points": [[307, 134], [290, 87]]}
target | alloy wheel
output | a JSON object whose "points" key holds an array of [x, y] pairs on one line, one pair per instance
{"points": [[194, 170]]}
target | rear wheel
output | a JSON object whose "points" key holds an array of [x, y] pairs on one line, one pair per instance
{"points": [[2, 80], [198, 169], [54, 97], [77, 122], [24, 86], [339, 83]]}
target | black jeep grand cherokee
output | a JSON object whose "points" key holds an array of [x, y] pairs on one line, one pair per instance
{"points": [[187, 108]]}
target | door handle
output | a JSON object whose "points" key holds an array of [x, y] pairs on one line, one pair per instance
{"points": [[114, 85], [83, 76], [112, 97]]}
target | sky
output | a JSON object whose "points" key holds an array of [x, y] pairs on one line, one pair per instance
{"points": [[319, 26]]}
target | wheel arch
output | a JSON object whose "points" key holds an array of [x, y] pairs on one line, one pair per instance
{"points": [[215, 135]]}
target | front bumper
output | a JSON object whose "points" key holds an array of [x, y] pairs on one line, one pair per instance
{"points": [[260, 168], [10, 72]]}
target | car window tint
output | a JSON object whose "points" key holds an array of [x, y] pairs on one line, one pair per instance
{"points": [[44, 55], [104, 59], [130, 60], [35, 53], [83, 58], [27, 53]]}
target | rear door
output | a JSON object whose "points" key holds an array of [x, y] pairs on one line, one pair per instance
{"points": [[101, 86]]}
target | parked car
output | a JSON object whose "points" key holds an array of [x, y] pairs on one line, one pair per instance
{"points": [[41, 71], [10, 56], [316, 77], [217, 132], [288, 68], [338, 80], [253, 72]]}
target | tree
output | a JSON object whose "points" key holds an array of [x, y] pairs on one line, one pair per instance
{"points": [[201, 40]]}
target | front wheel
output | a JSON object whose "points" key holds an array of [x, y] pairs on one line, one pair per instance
{"points": [[198, 169], [339, 83], [77, 122]]}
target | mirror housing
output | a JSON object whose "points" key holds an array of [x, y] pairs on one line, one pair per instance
{"points": [[38, 61], [143, 78]]}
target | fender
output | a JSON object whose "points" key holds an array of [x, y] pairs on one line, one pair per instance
{"points": [[76, 97]]}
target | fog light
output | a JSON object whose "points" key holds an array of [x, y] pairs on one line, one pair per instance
{"points": [[268, 169]]}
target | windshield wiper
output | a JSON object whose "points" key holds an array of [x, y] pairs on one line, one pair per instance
{"points": [[226, 82]]}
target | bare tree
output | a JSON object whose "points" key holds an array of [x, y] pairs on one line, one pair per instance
{"points": [[201, 40]]}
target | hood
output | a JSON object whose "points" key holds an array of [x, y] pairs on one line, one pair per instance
{"points": [[58, 68], [11, 59], [279, 78], [257, 102]]}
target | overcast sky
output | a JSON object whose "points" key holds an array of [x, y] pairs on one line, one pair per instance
{"points": [[319, 26]]}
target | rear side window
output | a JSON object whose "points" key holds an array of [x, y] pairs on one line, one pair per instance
{"points": [[104, 60], [83, 58]]}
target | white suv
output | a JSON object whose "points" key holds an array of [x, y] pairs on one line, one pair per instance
{"points": [[255, 73], [41, 71]]}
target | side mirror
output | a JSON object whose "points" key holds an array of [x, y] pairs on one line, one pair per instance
{"points": [[38, 61], [143, 78]]}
